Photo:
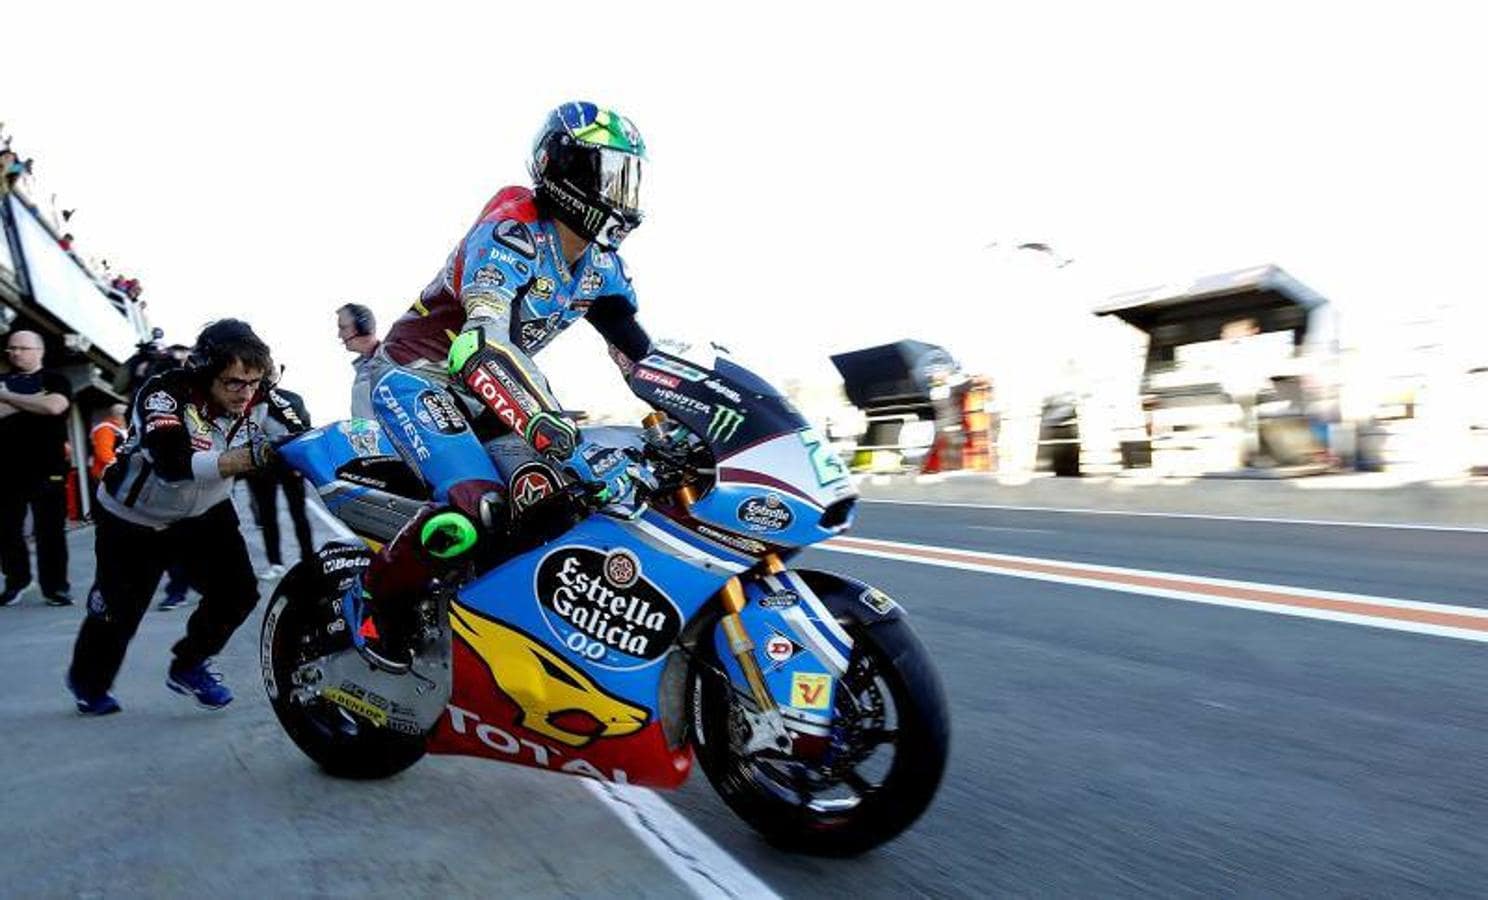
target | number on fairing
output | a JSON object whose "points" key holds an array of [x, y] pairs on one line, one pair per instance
{"points": [[828, 466]]}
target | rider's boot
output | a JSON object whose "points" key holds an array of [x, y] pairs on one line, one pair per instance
{"points": [[432, 544]]}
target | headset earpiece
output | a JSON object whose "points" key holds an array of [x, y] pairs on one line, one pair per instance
{"points": [[361, 320], [199, 360]]}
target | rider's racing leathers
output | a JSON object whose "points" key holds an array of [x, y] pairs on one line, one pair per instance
{"points": [[504, 294]]}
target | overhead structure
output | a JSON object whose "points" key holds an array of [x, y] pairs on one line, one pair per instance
{"points": [[908, 381], [1240, 372]]}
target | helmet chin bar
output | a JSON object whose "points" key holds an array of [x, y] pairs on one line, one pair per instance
{"points": [[590, 221], [612, 233]]}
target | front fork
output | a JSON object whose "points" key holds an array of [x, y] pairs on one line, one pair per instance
{"points": [[766, 725]]}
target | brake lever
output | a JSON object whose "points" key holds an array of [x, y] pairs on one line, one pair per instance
{"points": [[642, 476], [633, 504]]}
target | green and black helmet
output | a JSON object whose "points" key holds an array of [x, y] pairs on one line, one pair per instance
{"points": [[586, 167]]}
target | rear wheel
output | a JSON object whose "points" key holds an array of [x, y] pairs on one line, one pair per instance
{"points": [[845, 794], [298, 628]]}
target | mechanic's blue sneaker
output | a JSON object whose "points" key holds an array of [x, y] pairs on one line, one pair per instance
{"points": [[93, 706], [171, 602], [202, 683]]}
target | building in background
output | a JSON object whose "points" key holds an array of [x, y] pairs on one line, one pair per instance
{"points": [[1240, 373], [89, 328], [1249, 372]]}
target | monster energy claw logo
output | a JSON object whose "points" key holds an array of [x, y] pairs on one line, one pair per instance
{"points": [[725, 423]]}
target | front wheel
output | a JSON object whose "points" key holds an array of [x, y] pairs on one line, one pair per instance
{"points": [[297, 628], [875, 775]]}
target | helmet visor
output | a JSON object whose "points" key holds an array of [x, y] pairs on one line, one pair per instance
{"points": [[620, 181]]}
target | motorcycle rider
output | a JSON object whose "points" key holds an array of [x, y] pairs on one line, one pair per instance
{"points": [[535, 262]]}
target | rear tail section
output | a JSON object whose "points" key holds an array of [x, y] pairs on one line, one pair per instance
{"points": [[359, 476]]}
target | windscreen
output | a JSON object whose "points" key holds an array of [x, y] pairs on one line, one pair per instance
{"points": [[730, 407]]}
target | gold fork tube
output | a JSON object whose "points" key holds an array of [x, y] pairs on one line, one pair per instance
{"points": [[741, 646]]}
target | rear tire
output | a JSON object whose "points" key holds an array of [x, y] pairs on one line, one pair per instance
{"points": [[754, 788], [298, 627]]}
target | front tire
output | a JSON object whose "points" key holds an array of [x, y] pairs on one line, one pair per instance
{"points": [[851, 800], [298, 627]]}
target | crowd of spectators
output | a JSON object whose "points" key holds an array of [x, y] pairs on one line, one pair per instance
{"points": [[18, 176], [13, 168]]}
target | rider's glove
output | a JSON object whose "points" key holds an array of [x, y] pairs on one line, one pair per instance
{"points": [[476, 366], [603, 468], [464, 348]]}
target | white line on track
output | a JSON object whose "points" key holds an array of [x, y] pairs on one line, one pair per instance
{"points": [[1443, 620], [690, 855], [1399, 526], [1010, 528]]}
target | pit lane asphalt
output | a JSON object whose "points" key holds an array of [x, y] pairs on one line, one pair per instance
{"points": [[1111, 744], [168, 800], [1104, 744]]}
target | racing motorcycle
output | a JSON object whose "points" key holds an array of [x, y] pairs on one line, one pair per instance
{"points": [[623, 640]]}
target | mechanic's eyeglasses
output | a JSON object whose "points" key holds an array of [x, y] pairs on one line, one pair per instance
{"points": [[239, 385], [19, 349]]}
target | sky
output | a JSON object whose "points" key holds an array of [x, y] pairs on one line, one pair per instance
{"points": [[822, 176]]}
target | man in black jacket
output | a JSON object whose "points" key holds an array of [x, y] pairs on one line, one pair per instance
{"points": [[33, 470], [167, 499]]}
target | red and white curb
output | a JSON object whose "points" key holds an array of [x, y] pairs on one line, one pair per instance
{"points": [[1207, 517], [1461, 622]]}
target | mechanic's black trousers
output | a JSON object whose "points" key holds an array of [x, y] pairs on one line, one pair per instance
{"points": [[130, 560]]}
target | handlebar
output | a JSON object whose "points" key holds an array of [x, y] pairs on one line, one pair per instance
{"points": [[646, 482], [643, 484]]}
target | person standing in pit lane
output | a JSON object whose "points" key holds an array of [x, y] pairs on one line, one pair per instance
{"points": [[33, 470], [356, 327], [263, 487]]}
